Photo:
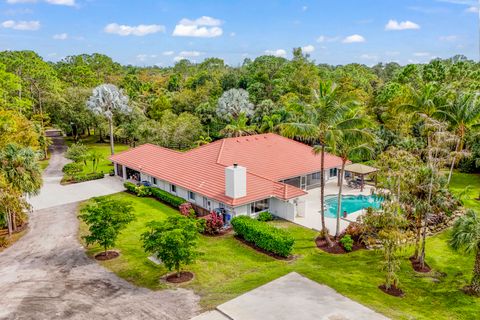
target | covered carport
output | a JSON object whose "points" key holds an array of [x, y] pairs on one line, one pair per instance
{"points": [[359, 171]]}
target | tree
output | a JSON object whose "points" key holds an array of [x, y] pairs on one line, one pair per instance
{"points": [[106, 218], [173, 241], [331, 115], [466, 237], [106, 99], [238, 127], [349, 144], [20, 175], [463, 115], [233, 103]]}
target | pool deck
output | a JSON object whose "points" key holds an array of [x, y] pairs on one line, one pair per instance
{"points": [[313, 219]]}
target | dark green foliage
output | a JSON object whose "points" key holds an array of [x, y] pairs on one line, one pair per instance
{"points": [[263, 235], [265, 216], [347, 242], [82, 177], [131, 187], [73, 168], [173, 241], [166, 197], [106, 218]]}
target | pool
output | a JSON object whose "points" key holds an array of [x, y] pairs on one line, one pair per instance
{"points": [[350, 204]]}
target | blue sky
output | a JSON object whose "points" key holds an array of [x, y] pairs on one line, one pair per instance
{"points": [[161, 32]]}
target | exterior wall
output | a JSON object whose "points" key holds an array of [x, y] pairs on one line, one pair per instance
{"points": [[282, 209]]}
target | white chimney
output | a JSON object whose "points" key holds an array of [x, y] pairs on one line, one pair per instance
{"points": [[235, 181]]}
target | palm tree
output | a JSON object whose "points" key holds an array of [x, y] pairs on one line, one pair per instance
{"points": [[348, 144], [238, 127], [331, 115], [463, 115], [20, 174], [105, 100], [466, 236]]}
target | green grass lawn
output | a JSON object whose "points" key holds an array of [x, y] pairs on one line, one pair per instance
{"points": [[228, 268], [104, 148]]}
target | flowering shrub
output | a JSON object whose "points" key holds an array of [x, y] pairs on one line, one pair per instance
{"points": [[187, 210], [213, 223]]}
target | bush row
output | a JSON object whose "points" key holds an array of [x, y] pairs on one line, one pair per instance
{"points": [[263, 235], [83, 177], [158, 194]]}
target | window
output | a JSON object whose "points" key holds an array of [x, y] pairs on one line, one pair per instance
{"points": [[191, 195], [173, 188], [316, 175], [258, 206], [207, 204], [333, 172], [154, 181]]}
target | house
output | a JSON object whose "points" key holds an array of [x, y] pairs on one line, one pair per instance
{"points": [[244, 175]]}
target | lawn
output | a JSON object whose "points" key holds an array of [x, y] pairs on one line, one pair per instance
{"points": [[104, 148], [228, 268]]}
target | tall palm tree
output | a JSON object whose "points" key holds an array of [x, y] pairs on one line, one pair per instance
{"points": [[348, 144], [238, 127], [20, 175], [332, 114], [463, 115], [466, 236]]}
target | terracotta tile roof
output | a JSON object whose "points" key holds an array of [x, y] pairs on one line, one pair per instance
{"points": [[267, 157]]}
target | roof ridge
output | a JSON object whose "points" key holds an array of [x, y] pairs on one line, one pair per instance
{"points": [[220, 151]]}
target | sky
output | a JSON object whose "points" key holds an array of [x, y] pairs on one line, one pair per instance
{"points": [[160, 33]]}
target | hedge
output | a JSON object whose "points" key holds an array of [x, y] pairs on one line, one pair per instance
{"points": [[158, 194], [83, 177], [263, 235]]}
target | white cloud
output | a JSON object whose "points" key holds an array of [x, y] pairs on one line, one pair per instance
{"points": [[367, 56], [144, 57], [186, 55], [421, 54], [21, 25], [308, 49], [203, 27], [168, 53], [140, 30], [323, 38], [304, 8], [402, 25], [472, 9], [354, 38], [277, 53], [60, 36], [449, 38], [392, 53], [62, 2]]}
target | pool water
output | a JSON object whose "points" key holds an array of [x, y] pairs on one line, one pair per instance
{"points": [[350, 204]]}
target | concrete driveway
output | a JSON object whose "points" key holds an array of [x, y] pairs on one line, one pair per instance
{"points": [[46, 274], [292, 297]]}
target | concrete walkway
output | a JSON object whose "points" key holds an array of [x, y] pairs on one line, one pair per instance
{"points": [[292, 297], [46, 274], [54, 194]]}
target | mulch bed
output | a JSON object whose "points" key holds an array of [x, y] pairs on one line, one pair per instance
{"points": [[418, 267], [184, 277], [273, 255], [221, 233], [102, 256], [337, 248], [393, 291]]}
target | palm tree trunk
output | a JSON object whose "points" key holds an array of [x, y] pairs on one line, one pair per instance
{"points": [[475, 284], [110, 123], [9, 222], [339, 201], [418, 221], [453, 162], [322, 197], [421, 259]]}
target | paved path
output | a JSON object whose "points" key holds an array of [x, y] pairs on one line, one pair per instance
{"points": [[292, 297], [46, 274]]}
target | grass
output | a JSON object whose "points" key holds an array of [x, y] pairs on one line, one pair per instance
{"points": [[228, 268], [103, 148]]}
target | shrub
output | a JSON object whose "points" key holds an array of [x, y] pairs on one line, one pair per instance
{"points": [[166, 197], [130, 187], [263, 235], [83, 177], [187, 210], [213, 223], [73, 168], [265, 216], [143, 191], [76, 152], [347, 242], [355, 231], [4, 241]]}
